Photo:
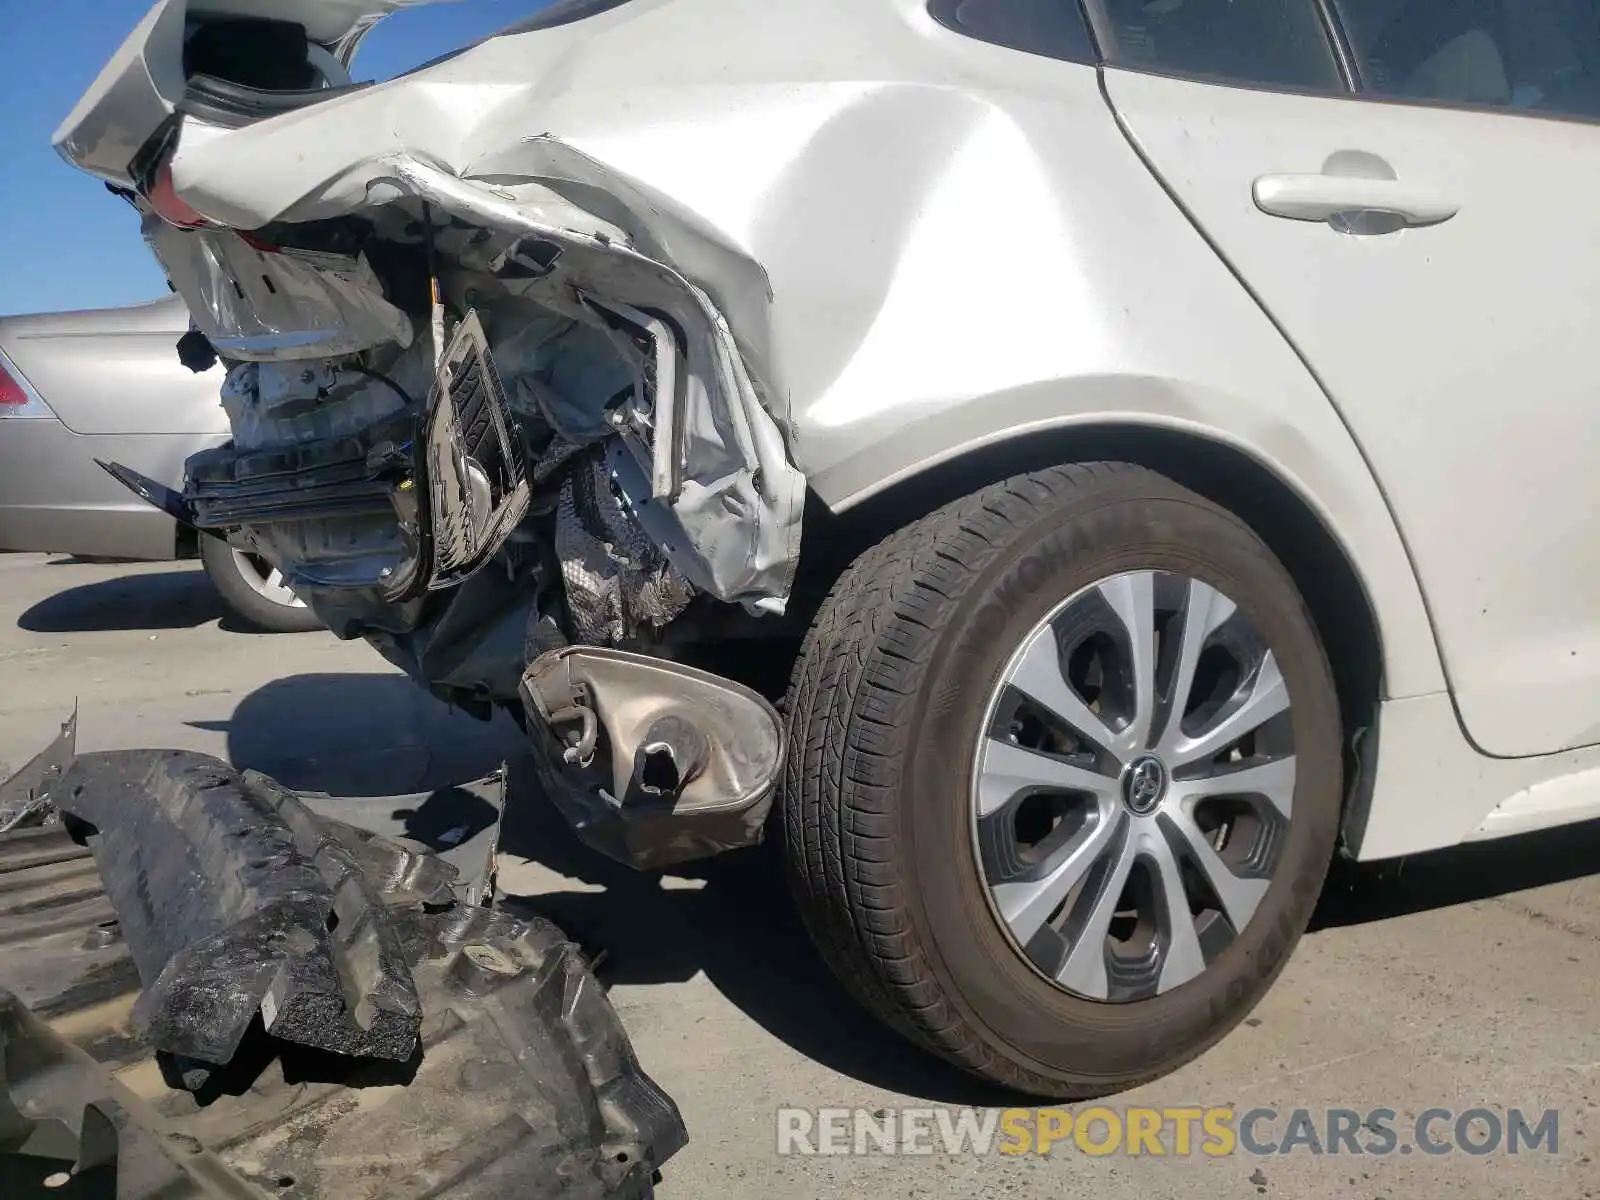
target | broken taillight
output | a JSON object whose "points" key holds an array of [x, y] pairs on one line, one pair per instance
{"points": [[17, 399], [164, 199]]}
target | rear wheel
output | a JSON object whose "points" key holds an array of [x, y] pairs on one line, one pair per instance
{"points": [[1064, 777], [254, 589]]}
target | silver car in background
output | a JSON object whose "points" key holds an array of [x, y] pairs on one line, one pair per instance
{"points": [[1156, 439], [107, 384]]}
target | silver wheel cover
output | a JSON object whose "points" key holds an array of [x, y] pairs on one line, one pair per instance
{"points": [[1133, 786]]}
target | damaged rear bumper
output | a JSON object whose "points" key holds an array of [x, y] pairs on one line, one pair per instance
{"points": [[317, 1011], [573, 316]]}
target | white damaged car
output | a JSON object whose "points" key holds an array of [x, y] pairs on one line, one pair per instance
{"points": [[1055, 468]]}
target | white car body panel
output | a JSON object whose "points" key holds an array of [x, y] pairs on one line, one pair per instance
{"points": [[1432, 789], [1458, 354], [923, 245], [143, 82]]}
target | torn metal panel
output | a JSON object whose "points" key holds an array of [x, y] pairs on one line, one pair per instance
{"points": [[260, 303], [236, 903], [526, 1088], [26, 797], [591, 316], [733, 457]]}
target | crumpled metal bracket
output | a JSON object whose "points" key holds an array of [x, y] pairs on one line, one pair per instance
{"points": [[26, 797], [660, 762]]}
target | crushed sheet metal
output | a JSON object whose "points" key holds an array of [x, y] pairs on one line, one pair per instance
{"points": [[235, 901], [25, 798], [256, 305], [532, 1066], [739, 499]]}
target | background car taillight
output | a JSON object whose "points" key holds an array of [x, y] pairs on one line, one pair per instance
{"points": [[17, 399]]}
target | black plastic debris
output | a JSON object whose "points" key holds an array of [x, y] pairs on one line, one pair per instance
{"points": [[525, 1087], [196, 352], [236, 901], [25, 798], [64, 1121]]}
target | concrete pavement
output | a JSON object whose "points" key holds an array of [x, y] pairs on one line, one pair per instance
{"points": [[1461, 980]]}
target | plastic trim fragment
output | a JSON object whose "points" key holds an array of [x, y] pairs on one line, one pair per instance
{"points": [[236, 902], [476, 477]]}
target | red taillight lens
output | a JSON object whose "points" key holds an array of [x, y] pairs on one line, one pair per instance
{"points": [[168, 207], [11, 393], [16, 398]]}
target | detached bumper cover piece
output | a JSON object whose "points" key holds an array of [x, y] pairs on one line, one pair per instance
{"points": [[524, 1085], [235, 900]]}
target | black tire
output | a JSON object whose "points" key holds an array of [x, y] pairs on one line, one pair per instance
{"points": [[885, 706], [254, 609]]}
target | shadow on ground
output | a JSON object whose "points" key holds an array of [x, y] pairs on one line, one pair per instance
{"points": [[362, 735], [143, 600], [730, 917], [1358, 894]]}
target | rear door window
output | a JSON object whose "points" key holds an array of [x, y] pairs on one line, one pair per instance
{"points": [[1527, 55], [1256, 43]]}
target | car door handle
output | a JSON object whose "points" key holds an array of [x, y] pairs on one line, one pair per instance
{"points": [[1326, 197]]}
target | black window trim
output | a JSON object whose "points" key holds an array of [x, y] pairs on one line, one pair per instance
{"points": [[946, 13], [1100, 28], [1344, 51], [1346, 61]]}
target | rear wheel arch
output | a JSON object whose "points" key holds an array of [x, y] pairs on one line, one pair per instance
{"points": [[1281, 516]]}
